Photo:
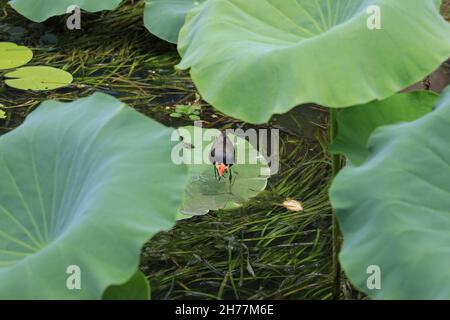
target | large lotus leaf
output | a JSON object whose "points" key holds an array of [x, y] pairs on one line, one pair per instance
{"points": [[254, 58], [204, 192], [12, 55], [82, 184], [38, 78], [356, 124], [41, 10], [164, 18], [394, 210]]}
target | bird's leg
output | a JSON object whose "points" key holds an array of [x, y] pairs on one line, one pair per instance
{"points": [[235, 176], [230, 177], [215, 172]]}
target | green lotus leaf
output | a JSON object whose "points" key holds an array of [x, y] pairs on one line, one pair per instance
{"points": [[136, 288], [83, 185], [254, 58], [194, 117], [164, 18], [176, 115], [13, 56], [2, 114], [356, 124], [204, 192], [41, 10], [38, 78], [394, 210]]}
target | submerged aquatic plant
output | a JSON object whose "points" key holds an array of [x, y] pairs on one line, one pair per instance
{"points": [[258, 251]]}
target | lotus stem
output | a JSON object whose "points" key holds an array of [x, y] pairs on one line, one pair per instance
{"points": [[336, 234]]}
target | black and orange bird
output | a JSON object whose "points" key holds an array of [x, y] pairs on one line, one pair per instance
{"points": [[222, 156]]}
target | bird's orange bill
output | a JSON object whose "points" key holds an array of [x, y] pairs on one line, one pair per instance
{"points": [[222, 169]]}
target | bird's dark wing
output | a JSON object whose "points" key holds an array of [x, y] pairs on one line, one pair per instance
{"points": [[222, 150]]}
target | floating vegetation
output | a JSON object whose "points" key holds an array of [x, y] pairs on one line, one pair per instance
{"points": [[191, 111], [29, 78], [12, 55], [38, 78], [205, 191]]}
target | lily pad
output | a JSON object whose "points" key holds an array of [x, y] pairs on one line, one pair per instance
{"points": [[164, 18], [84, 185], [356, 124], [38, 78], [251, 59], [394, 210], [41, 10], [205, 192], [136, 288], [13, 56]]}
